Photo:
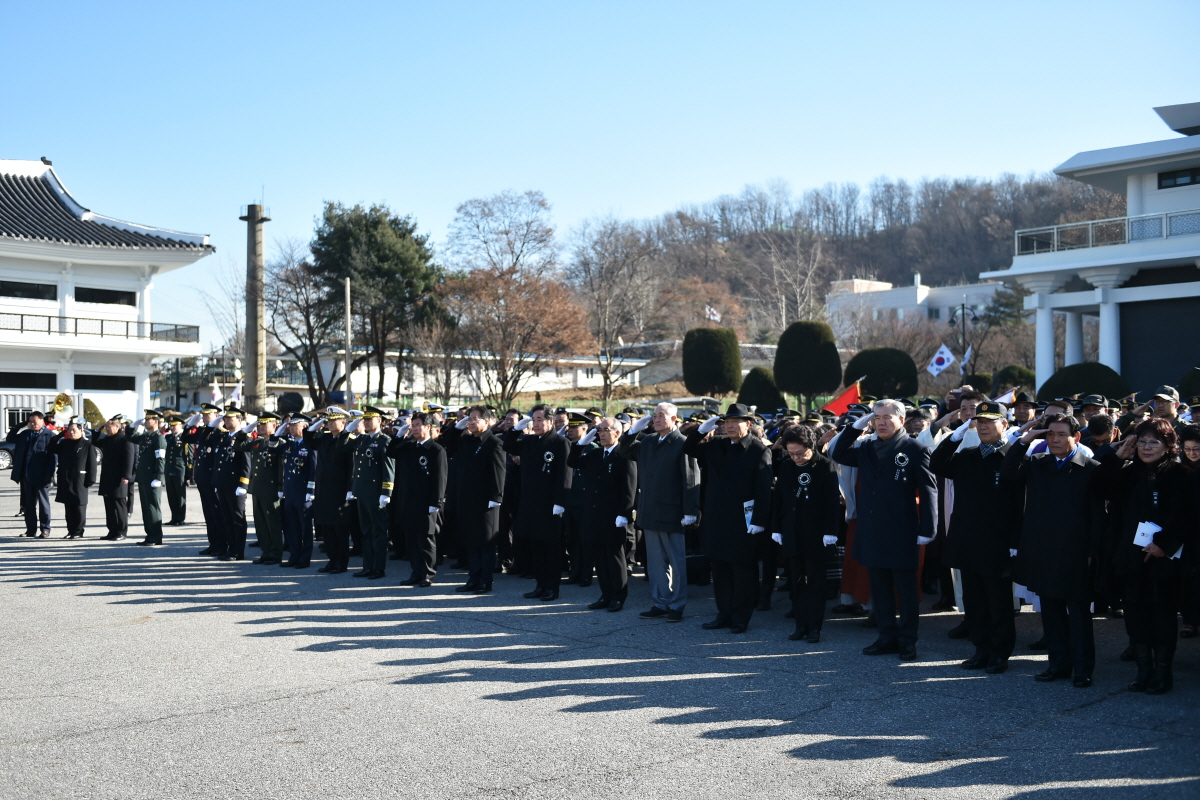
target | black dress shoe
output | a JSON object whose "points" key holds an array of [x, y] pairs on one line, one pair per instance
{"points": [[814, 636], [908, 652], [411, 581], [549, 595], [799, 634], [286, 564], [881, 647], [338, 570], [942, 605], [396, 557], [764, 604], [1052, 675], [585, 583], [265, 561], [716, 624], [1081, 681], [485, 589], [467, 587], [790, 615], [997, 666], [536, 594], [1129, 653], [959, 631], [230, 557], [376, 575], [208, 551], [616, 605], [737, 628], [675, 615], [599, 604], [1040, 644], [256, 543], [363, 573], [327, 568], [302, 564], [654, 613], [977, 661]]}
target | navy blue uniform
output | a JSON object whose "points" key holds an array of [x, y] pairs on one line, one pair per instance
{"points": [[231, 471], [299, 487]]}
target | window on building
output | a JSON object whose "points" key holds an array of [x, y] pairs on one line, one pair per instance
{"points": [[935, 313], [28, 291], [104, 383], [558, 372], [537, 372], [899, 313], [17, 416], [86, 294], [1179, 177], [590, 372], [28, 380]]}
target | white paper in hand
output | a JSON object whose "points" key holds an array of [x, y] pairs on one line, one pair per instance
{"points": [[1145, 533]]}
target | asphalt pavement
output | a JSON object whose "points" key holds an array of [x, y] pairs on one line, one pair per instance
{"points": [[134, 672]]}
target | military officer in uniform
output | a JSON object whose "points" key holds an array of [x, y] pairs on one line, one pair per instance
{"points": [[204, 437], [299, 485], [231, 477], [421, 477], [266, 485], [374, 473], [335, 512], [176, 471], [149, 473]]}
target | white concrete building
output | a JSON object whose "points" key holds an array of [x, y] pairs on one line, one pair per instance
{"points": [[853, 301], [75, 301], [1140, 274]]}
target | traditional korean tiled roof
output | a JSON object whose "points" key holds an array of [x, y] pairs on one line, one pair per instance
{"points": [[36, 206]]}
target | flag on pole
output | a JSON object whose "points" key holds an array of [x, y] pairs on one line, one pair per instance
{"points": [[217, 397], [1007, 398], [850, 395], [236, 397], [962, 366], [711, 313], [941, 359]]}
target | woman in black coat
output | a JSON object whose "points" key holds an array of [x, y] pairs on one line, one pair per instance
{"points": [[806, 510], [1151, 491], [76, 474]]}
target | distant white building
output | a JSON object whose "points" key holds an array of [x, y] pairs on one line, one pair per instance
{"points": [[1140, 274], [853, 301], [75, 310]]}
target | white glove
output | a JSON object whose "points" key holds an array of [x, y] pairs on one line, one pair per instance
{"points": [[160, 453], [155, 484], [523, 424], [923, 540], [757, 529], [639, 426], [215, 423], [308, 503], [249, 427], [558, 511], [138, 423], [709, 424], [240, 491], [777, 538], [194, 420], [384, 500], [402, 431], [280, 495], [960, 432], [862, 422], [688, 521], [828, 541], [492, 504], [1012, 553], [349, 496], [316, 426], [433, 509], [462, 423], [588, 438], [622, 522]]}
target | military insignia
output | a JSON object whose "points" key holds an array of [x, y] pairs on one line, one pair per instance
{"points": [[423, 461], [901, 459], [805, 478], [547, 456]]}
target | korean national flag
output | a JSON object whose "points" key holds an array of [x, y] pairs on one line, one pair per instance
{"points": [[941, 359]]}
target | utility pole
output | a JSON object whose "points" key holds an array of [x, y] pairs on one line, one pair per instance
{"points": [[178, 405], [346, 364], [256, 346]]}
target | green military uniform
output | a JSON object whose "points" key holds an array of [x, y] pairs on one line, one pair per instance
{"points": [[151, 465], [373, 474], [176, 475], [266, 488]]}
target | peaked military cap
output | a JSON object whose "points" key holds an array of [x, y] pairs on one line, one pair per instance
{"points": [[371, 411], [575, 418], [991, 410]]}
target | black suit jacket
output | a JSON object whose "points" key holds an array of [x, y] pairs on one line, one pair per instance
{"points": [[32, 459], [734, 473], [545, 483], [76, 469], [609, 490], [420, 477], [119, 455], [806, 506], [480, 480]]}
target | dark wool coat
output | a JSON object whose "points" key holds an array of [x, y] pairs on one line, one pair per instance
{"points": [[806, 506], [735, 473], [609, 491], [480, 462], [545, 483]]}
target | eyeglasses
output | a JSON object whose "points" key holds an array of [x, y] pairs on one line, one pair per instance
{"points": [[1149, 443]]}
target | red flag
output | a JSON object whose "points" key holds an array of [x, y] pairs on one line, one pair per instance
{"points": [[841, 404]]}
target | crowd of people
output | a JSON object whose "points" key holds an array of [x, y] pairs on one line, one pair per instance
{"points": [[1080, 506]]}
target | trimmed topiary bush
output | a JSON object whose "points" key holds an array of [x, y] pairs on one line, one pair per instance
{"points": [[981, 381], [759, 389], [807, 362], [889, 372], [1015, 376], [712, 361], [1085, 378]]}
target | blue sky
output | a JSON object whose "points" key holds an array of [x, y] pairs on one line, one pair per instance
{"points": [[176, 114]]}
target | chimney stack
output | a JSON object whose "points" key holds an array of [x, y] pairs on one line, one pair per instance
{"points": [[255, 393]]}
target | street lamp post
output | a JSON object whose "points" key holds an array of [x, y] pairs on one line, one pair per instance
{"points": [[959, 317]]}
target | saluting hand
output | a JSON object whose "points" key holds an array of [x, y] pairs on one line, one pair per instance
{"points": [[1127, 448], [1029, 437]]}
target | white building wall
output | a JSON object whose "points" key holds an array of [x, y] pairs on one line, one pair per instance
{"points": [[1160, 201]]}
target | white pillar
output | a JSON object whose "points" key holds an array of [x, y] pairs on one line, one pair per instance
{"points": [[1044, 352], [142, 385], [1134, 205], [65, 379], [1073, 353], [1110, 330]]}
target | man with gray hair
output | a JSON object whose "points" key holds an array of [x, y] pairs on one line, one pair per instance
{"points": [[897, 514], [668, 501]]}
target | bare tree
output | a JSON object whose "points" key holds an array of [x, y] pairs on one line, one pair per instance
{"points": [[507, 231], [225, 296], [612, 271], [434, 346], [792, 276]]}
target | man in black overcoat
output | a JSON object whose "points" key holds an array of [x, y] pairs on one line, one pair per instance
{"points": [[1060, 537], [33, 468], [116, 477], [76, 474], [737, 508], [421, 484], [478, 494], [607, 502], [897, 515], [545, 486], [984, 527], [335, 513]]}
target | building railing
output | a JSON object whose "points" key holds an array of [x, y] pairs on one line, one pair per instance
{"points": [[116, 328], [1102, 232]]}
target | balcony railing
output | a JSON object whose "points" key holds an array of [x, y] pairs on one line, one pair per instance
{"points": [[116, 328], [1102, 232]]}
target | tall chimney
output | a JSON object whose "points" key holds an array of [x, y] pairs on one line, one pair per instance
{"points": [[255, 393], [917, 279]]}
